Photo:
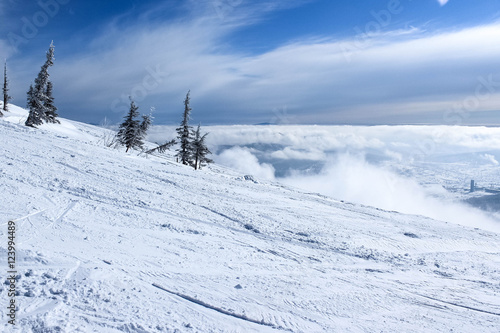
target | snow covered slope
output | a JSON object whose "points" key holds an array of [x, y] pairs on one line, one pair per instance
{"points": [[113, 242]]}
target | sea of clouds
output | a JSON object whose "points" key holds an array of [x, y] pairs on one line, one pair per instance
{"points": [[424, 170]]}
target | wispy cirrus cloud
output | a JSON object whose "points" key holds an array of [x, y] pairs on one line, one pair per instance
{"points": [[404, 75], [443, 2]]}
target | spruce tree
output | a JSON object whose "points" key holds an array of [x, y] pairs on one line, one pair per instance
{"points": [[50, 109], [127, 133], [37, 96], [6, 97], [132, 132], [184, 135], [40, 88], [200, 150]]}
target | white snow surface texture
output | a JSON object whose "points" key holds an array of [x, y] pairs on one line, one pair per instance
{"points": [[122, 243]]}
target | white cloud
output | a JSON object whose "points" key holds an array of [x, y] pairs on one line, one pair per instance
{"points": [[6, 51], [491, 159], [290, 153], [352, 179], [319, 80], [443, 2], [396, 139], [243, 160]]}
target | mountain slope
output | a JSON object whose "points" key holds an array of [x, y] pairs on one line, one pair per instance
{"points": [[113, 242]]}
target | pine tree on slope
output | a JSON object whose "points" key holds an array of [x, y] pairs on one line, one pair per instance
{"points": [[132, 132], [6, 97], [37, 98], [200, 150], [184, 135], [40, 88], [128, 133]]}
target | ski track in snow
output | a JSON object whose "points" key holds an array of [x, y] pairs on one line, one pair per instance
{"points": [[98, 229], [211, 307]]}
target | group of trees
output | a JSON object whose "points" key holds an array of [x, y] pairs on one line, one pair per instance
{"points": [[40, 100], [193, 150]]}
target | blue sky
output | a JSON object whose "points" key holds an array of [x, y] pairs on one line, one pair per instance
{"points": [[248, 62]]}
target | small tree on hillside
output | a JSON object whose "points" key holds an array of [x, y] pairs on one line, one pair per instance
{"points": [[132, 132], [129, 129], [184, 135], [200, 150], [6, 97]]}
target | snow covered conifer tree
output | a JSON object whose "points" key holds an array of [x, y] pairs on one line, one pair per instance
{"points": [[37, 95], [184, 135], [6, 97], [161, 148], [40, 88], [200, 150], [129, 133], [50, 109]]}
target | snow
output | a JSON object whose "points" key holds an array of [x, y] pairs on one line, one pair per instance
{"points": [[115, 242]]}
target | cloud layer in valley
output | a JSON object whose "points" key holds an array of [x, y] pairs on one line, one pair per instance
{"points": [[424, 170]]}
